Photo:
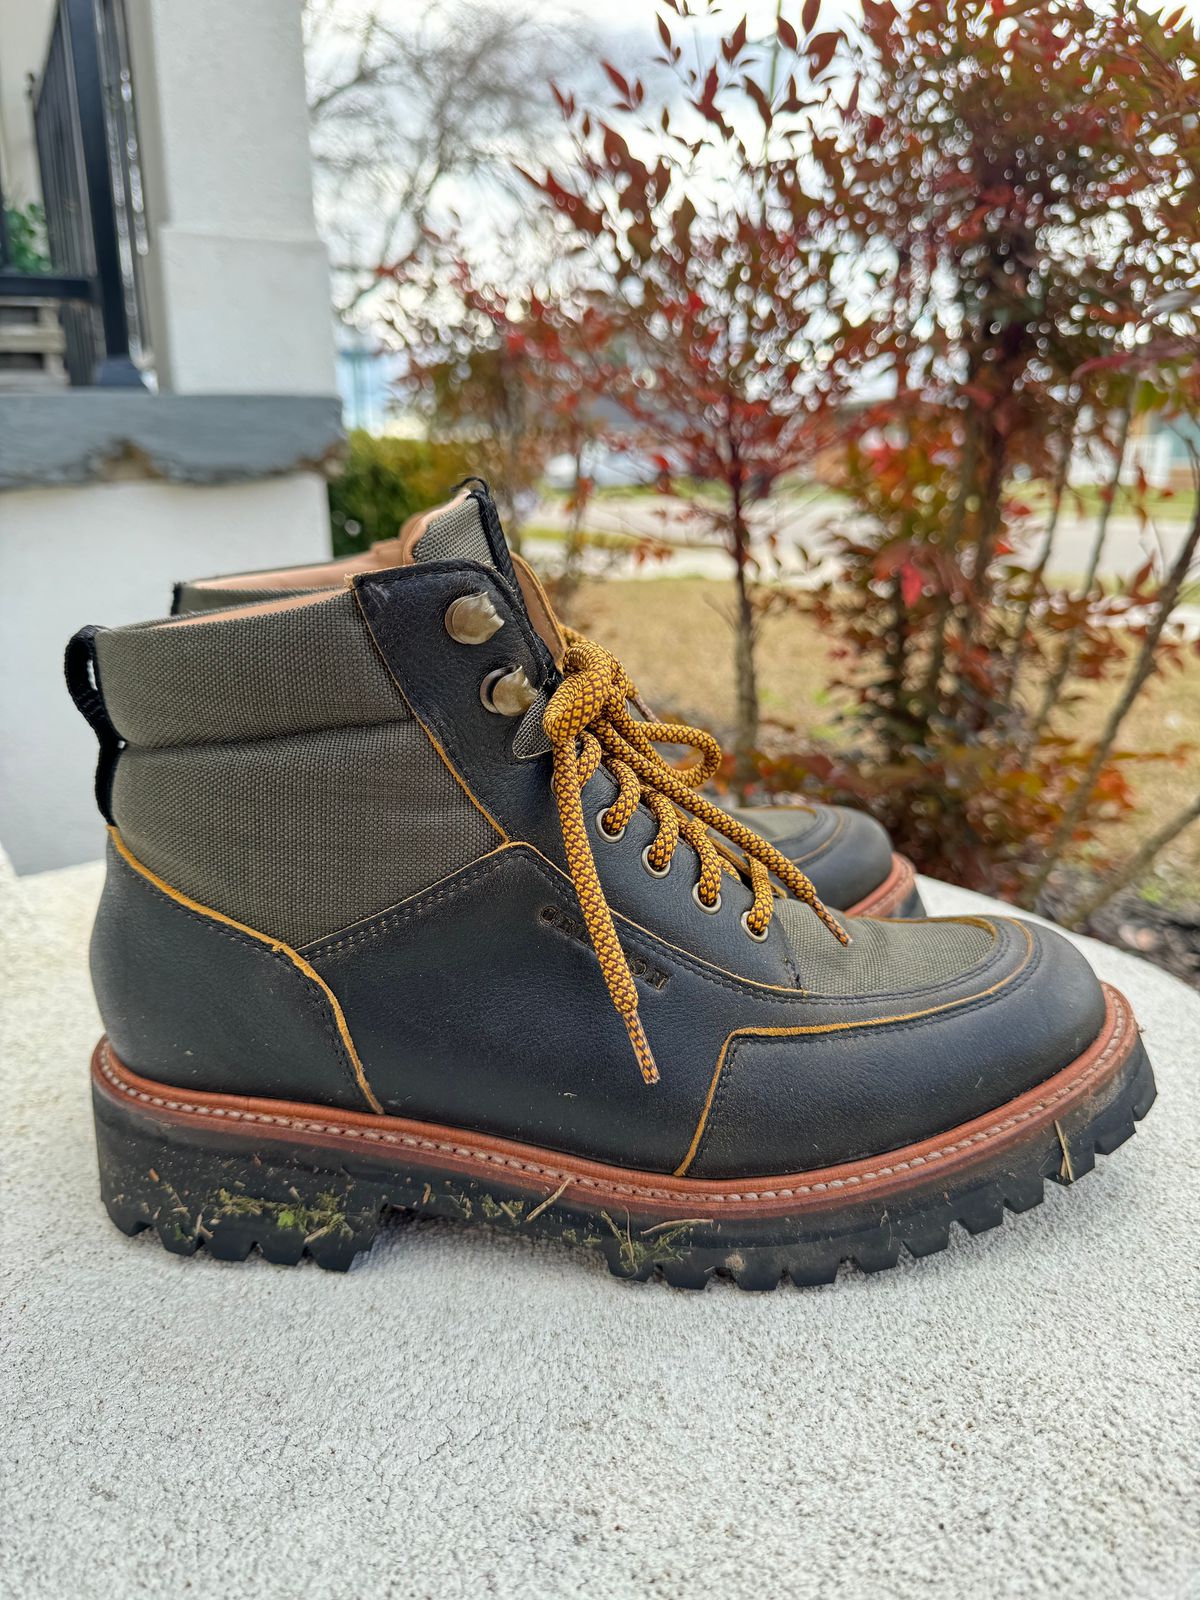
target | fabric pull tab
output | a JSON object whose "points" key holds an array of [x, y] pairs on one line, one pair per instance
{"points": [[83, 683]]}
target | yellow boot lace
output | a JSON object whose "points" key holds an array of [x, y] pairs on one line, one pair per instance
{"points": [[588, 721]]}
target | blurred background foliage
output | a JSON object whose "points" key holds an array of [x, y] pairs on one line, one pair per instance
{"points": [[384, 481], [26, 228], [888, 327]]}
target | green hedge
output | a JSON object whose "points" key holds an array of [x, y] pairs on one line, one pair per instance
{"points": [[384, 481], [27, 238]]}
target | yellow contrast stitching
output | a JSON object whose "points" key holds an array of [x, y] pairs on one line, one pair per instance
{"points": [[742, 1194], [836, 1027], [424, 727], [819, 849], [727, 972], [276, 945]]}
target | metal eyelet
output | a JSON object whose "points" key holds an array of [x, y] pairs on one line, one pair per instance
{"points": [[710, 910], [472, 619], [655, 872], [605, 832], [759, 938], [507, 692]]}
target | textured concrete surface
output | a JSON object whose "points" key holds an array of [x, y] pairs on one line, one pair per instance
{"points": [[464, 1415]]}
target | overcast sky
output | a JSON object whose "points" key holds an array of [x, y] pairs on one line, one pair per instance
{"points": [[484, 212]]}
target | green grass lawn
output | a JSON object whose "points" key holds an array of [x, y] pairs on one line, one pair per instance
{"points": [[1086, 500]]}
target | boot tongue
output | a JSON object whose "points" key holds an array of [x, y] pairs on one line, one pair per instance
{"points": [[467, 528]]}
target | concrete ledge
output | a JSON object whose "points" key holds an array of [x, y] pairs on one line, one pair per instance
{"points": [[466, 1414], [89, 435]]}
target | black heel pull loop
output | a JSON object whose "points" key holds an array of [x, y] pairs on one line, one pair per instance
{"points": [[83, 683]]}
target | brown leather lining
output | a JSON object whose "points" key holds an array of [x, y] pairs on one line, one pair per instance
{"points": [[541, 612], [322, 575], [261, 608], [891, 893], [397, 552], [528, 1167]]}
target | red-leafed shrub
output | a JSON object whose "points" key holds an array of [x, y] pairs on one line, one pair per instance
{"points": [[951, 250], [946, 254]]}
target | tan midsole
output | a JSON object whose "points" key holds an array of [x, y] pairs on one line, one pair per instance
{"points": [[528, 1167]]}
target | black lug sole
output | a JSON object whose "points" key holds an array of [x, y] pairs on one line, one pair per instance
{"points": [[232, 1180]]}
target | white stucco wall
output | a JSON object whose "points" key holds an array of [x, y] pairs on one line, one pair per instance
{"points": [[237, 285], [109, 553]]}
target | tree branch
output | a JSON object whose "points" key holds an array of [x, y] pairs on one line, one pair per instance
{"points": [[1144, 665], [1135, 867]]}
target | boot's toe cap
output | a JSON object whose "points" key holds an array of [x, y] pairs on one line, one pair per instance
{"points": [[872, 1074], [845, 853]]}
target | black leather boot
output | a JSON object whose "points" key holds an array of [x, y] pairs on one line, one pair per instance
{"points": [[845, 853], [401, 912]]}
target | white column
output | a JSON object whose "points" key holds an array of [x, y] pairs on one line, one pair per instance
{"points": [[25, 31], [237, 279]]}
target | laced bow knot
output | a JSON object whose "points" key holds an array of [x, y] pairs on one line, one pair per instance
{"points": [[588, 722]]}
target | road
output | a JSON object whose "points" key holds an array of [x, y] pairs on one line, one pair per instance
{"points": [[805, 525]]}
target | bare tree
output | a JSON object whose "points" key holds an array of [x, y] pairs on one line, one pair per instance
{"points": [[1135, 867], [420, 109]]}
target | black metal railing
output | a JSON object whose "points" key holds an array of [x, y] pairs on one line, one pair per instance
{"points": [[88, 159], [125, 166]]}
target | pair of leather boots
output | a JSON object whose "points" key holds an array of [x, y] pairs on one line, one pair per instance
{"points": [[406, 908]]}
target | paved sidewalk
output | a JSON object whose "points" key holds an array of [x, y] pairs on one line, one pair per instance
{"points": [[465, 1415]]}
